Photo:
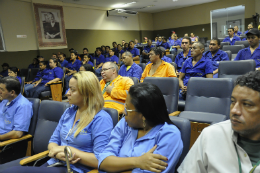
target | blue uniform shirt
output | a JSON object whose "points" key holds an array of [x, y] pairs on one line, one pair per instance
{"points": [[123, 142], [165, 45], [121, 51], [33, 66], [175, 43], [238, 33], [159, 43], [200, 69], [147, 48], [89, 62], [164, 58], [64, 63], [75, 66], [39, 75], [15, 116], [180, 59], [51, 74], [219, 56], [134, 71], [4, 73], [246, 32], [113, 58], [19, 78], [245, 54], [92, 139], [235, 38], [100, 59], [135, 52]]}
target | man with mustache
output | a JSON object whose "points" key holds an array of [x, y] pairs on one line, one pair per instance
{"points": [[232, 145]]}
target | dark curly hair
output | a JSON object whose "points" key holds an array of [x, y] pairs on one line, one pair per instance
{"points": [[250, 80]]}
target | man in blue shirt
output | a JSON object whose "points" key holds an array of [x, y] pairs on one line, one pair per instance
{"points": [[15, 110], [112, 57], [134, 51], [181, 57], [165, 44], [136, 43], [63, 61], [196, 66], [175, 44], [253, 51], [236, 32], [130, 69], [159, 42], [231, 38], [100, 60], [146, 51], [250, 26], [85, 51], [5, 67], [216, 55]]}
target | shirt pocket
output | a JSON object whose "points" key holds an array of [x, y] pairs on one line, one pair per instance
{"points": [[8, 121]]}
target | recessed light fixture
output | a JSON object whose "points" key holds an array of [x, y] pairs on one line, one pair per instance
{"points": [[123, 5], [174, 0]]}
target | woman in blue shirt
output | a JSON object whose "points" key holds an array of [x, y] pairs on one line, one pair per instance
{"points": [[14, 71], [52, 75], [35, 63], [84, 127], [145, 140]]}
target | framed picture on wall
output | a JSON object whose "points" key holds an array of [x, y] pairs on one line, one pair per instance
{"points": [[50, 25], [2, 43]]}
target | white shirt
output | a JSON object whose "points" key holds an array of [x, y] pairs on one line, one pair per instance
{"points": [[214, 152]]}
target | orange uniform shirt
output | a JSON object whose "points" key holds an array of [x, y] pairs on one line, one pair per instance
{"points": [[164, 70], [116, 99]]}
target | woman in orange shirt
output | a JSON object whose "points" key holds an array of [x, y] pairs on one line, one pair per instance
{"points": [[158, 68]]}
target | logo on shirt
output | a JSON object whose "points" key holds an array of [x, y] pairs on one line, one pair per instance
{"points": [[50, 72], [199, 74], [7, 122], [83, 132]]}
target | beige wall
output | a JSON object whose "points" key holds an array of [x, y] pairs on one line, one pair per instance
{"points": [[198, 14]]}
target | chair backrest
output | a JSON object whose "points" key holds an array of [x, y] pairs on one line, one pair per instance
{"points": [[22, 85], [32, 74], [135, 80], [233, 69], [174, 65], [223, 43], [35, 106], [221, 39], [209, 95], [169, 87], [24, 72], [233, 48], [179, 51], [229, 54], [245, 43], [172, 56], [142, 65], [114, 115], [49, 115], [185, 129]]}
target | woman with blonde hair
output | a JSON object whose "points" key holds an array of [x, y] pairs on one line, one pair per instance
{"points": [[84, 127]]}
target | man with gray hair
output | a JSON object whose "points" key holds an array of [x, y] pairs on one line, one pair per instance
{"points": [[130, 68], [114, 87]]}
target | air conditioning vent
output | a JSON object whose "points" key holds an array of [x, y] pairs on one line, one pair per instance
{"points": [[121, 12]]}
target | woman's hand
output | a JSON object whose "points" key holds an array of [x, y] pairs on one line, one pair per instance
{"points": [[60, 156], [56, 150], [152, 162]]}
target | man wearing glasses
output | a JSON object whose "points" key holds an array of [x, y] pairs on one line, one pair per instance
{"points": [[181, 57], [114, 87], [253, 51], [231, 38]]}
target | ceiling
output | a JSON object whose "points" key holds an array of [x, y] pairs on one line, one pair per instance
{"points": [[140, 5], [231, 11]]}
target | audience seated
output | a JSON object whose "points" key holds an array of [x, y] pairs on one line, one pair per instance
{"points": [[196, 66], [84, 127], [114, 44], [126, 47], [85, 51], [231, 38], [236, 139], [54, 55], [164, 58], [253, 51], [119, 49], [5, 67], [174, 44], [250, 26], [145, 40], [193, 38], [185, 35], [114, 87], [53, 74], [35, 64], [130, 68], [236, 32], [185, 54], [86, 60], [157, 67], [159, 41], [107, 51], [100, 60], [165, 44], [136, 43], [134, 51], [43, 70], [63, 61], [15, 109], [103, 50], [145, 52], [14, 71], [216, 55], [112, 57], [87, 67], [145, 140]]}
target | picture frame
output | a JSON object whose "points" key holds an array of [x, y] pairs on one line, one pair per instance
{"points": [[50, 25], [2, 43]]}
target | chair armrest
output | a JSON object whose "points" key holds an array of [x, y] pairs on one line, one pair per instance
{"points": [[176, 113], [10, 141], [53, 83], [34, 157], [93, 171]]}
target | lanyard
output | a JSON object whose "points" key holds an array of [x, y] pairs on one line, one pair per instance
{"points": [[239, 163]]}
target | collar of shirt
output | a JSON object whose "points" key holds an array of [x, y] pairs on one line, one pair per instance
{"points": [[199, 62], [188, 55], [248, 48], [14, 100]]}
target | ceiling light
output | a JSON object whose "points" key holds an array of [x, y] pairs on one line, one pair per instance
{"points": [[123, 5], [174, 0]]}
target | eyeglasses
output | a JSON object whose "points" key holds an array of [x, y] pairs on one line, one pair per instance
{"points": [[105, 69], [184, 42], [128, 110]]}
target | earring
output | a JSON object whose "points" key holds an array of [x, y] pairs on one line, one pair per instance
{"points": [[144, 123]]}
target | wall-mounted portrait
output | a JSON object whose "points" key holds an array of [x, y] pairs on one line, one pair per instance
{"points": [[2, 43]]}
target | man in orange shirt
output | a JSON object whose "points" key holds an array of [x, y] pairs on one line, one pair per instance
{"points": [[158, 68], [114, 87]]}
